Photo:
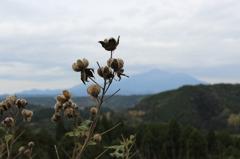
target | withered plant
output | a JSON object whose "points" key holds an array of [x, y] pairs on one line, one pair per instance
{"points": [[83, 131], [11, 108]]}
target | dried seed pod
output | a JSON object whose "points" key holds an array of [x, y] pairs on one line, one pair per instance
{"points": [[21, 149], [1, 108], [27, 152], [75, 67], [27, 114], [21, 103], [80, 65], [85, 134], [110, 44], [93, 111], [67, 94], [61, 99], [31, 144], [56, 117], [115, 64], [8, 122], [94, 90], [105, 72], [58, 107], [12, 98], [69, 112], [97, 137]]}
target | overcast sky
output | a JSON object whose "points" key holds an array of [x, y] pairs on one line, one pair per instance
{"points": [[40, 39]]}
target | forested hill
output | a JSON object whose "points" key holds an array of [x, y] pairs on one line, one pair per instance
{"points": [[202, 106]]}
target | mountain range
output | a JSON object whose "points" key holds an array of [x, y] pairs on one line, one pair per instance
{"points": [[151, 82]]}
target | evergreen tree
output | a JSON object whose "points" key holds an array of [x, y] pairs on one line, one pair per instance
{"points": [[197, 145]]}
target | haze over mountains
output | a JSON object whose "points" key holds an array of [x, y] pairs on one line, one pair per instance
{"points": [[151, 82]]}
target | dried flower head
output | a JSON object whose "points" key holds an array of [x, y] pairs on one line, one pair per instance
{"points": [[58, 107], [85, 133], [97, 137], [69, 112], [81, 66], [27, 152], [56, 117], [115, 64], [94, 90], [11, 99], [93, 111], [2, 111], [21, 103], [105, 72], [31, 144], [67, 94], [110, 44], [8, 122], [27, 114], [21, 149]]}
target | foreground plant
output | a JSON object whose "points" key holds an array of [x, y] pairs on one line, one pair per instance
{"points": [[12, 107], [83, 130]]}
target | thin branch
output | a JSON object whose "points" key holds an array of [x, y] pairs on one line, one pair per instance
{"points": [[134, 154], [110, 129], [66, 153], [56, 151], [94, 81], [101, 153], [132, 144], [111, 95], [18, 136]]}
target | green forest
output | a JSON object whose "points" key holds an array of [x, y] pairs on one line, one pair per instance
{"points": [[192, 122]]}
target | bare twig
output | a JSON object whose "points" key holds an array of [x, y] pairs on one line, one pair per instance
{"points": [[110, 129], [134, 154], [56, 151], [111, 95], [66, 153], [101, 153], [18, 136]]}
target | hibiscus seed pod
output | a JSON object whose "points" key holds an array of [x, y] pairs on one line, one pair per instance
{"points": [[85, 133], [75, 67], [67, 94], [27, 114], [93, 111], [58, 107], [105, 72], [61, 99], [110, 44], [94, 90], [21, 149], [27, 152], [97, 137], [69, 112], [8, 122], [56, 117], [21, 103], [115, 64], [31, 144]]}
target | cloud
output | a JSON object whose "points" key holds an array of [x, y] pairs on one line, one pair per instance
{"points": [[40, 40]]}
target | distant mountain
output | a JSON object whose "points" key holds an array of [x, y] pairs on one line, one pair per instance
{"points": [[151, 82]]}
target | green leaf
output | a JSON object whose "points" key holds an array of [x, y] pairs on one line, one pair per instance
{"points": [[91, 143], [2, 128], [82, 128], [8, 138], [79, 145], [86, 123], [76, 133]]}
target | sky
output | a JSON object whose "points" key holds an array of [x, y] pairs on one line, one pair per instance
{"points": [[40, 39]]}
